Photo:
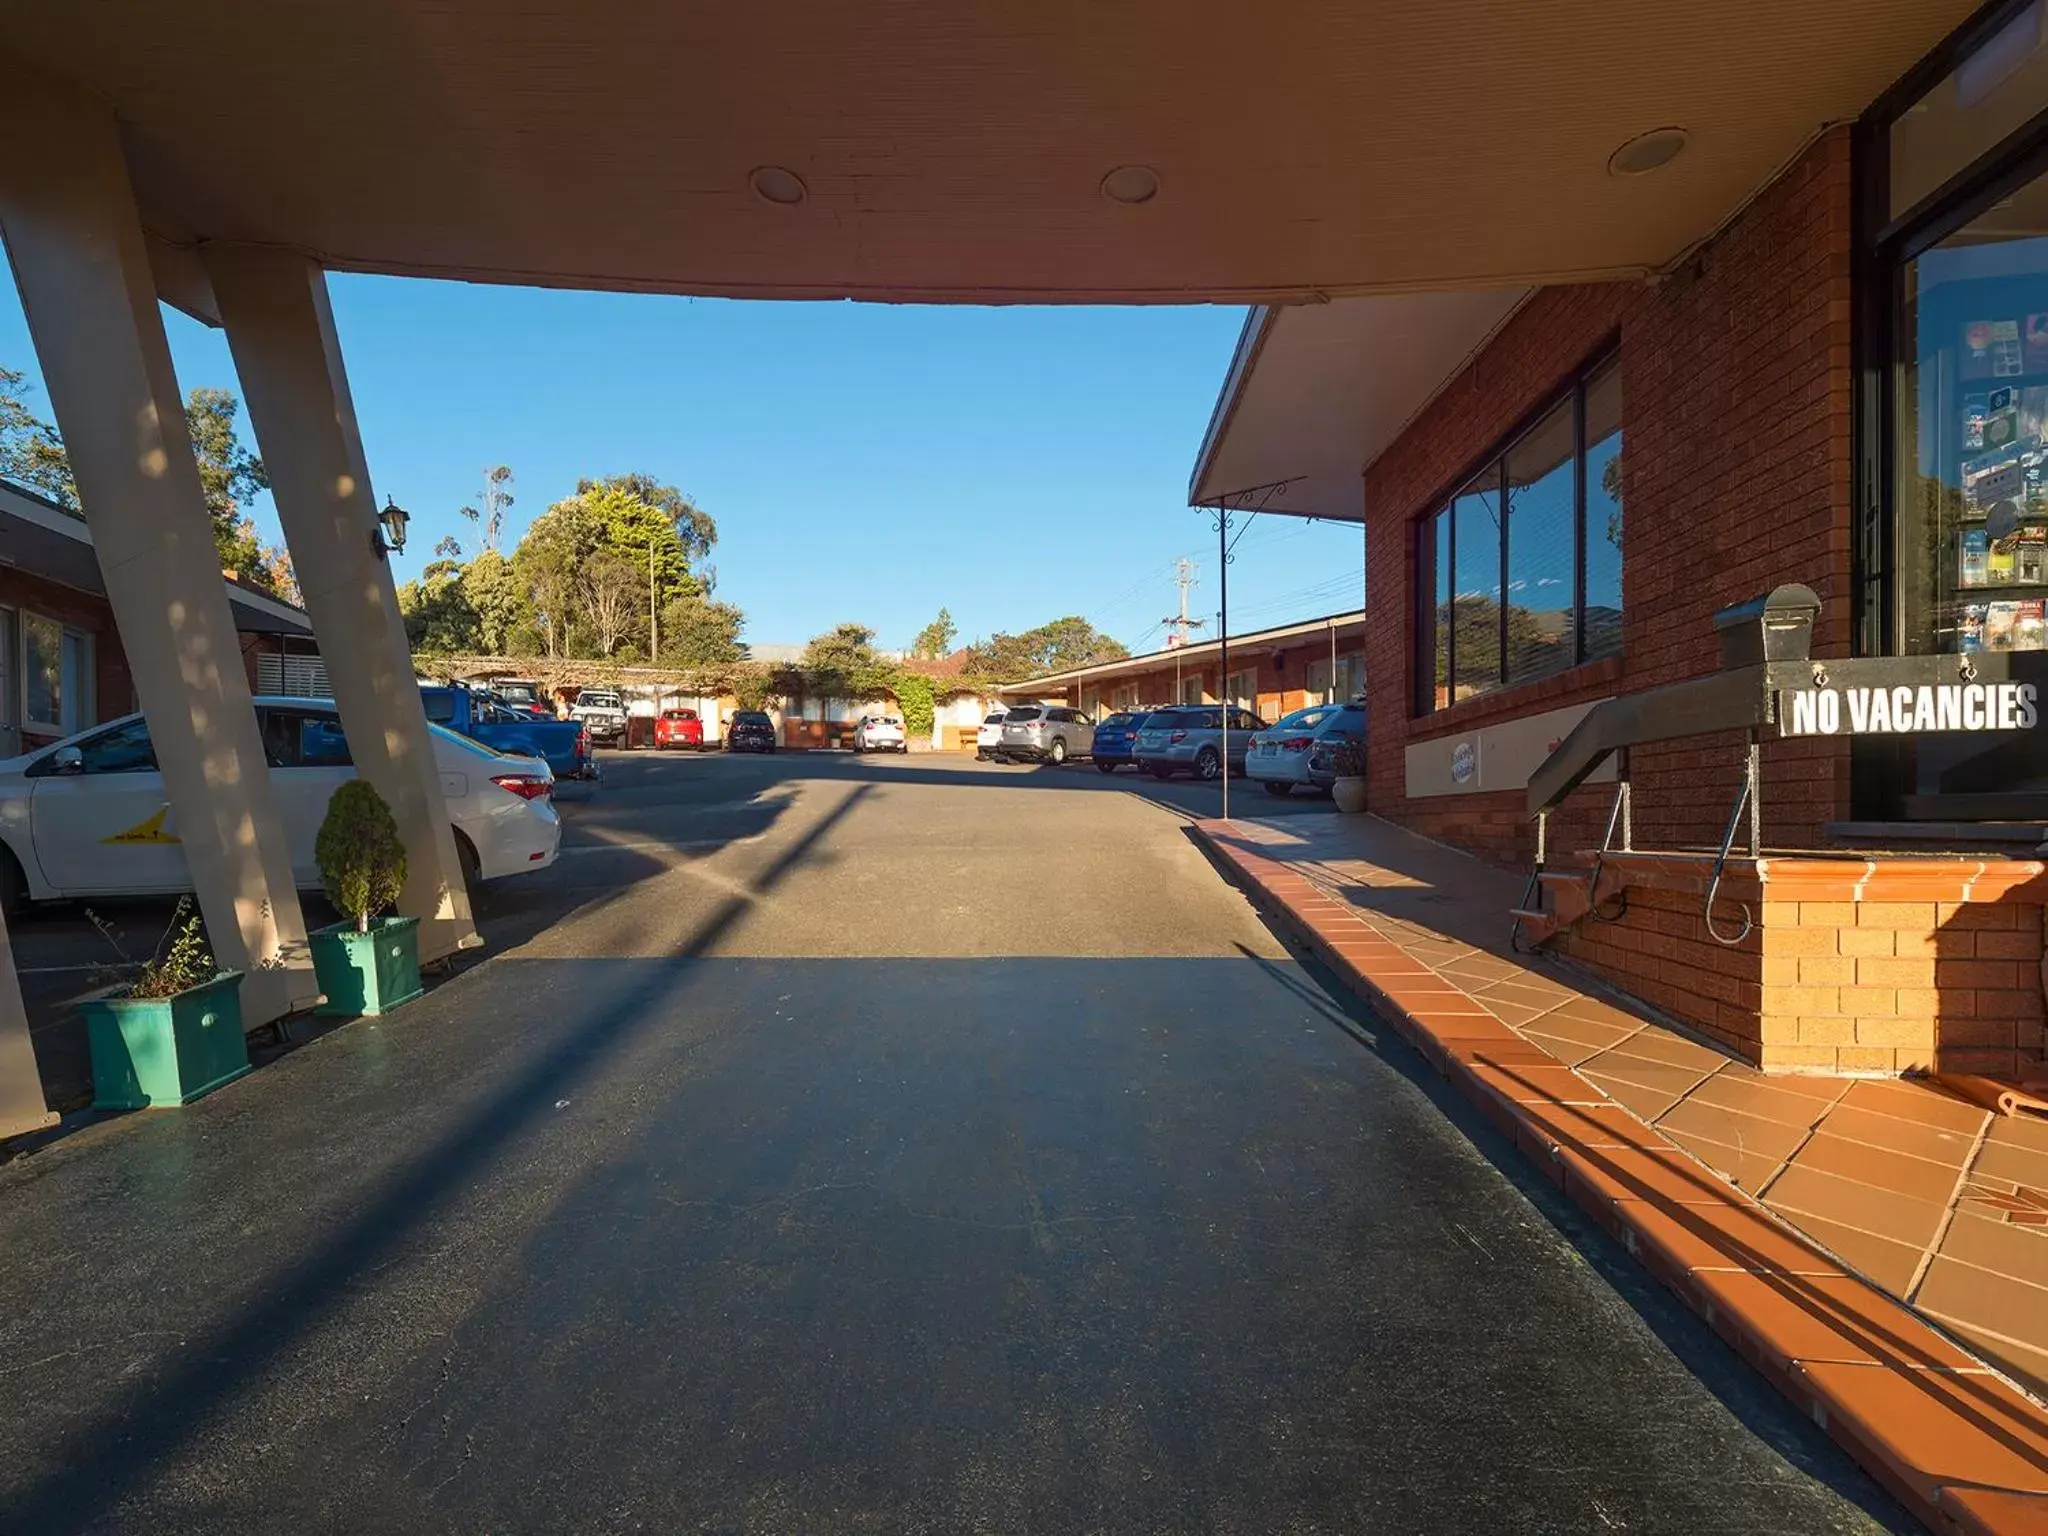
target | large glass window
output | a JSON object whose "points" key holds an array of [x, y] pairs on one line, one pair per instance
{"points": [[1519, 574], [56, 676], [1952, 548]]}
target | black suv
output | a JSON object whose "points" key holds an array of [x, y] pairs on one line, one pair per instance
{"points": [[750, 731]]}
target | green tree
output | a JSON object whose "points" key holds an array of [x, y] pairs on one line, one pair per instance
{"points": [[229, 474], [490, 521], [936, 638], [695, 530], [31, 453], [499, 599], [843, 663], [698, 632], [1056, 647], [437, 613], [547, 561]]}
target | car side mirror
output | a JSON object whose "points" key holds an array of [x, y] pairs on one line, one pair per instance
{"points": [[67, 760]]}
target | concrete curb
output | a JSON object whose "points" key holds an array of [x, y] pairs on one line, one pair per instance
{"points": [[1949, 1438]]}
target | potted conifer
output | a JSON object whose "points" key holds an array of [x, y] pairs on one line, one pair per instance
{"points": [[368, 963], [1347, 760], [174, 1032]]}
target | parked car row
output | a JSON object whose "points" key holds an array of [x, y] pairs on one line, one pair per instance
{"points": [[1180, 738]]}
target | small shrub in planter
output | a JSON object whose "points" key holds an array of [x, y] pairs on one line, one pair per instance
{"points": [[1347, 761], [174, 1032], [367, 963]]}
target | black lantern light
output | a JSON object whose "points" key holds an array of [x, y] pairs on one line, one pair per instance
{"points": [[388, 537]]}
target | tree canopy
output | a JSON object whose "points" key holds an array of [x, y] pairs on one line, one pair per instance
{"points": [[936, 638], [1058, 646]]}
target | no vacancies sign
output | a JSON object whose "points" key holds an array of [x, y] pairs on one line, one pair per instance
{"points": [[1908, 708]]}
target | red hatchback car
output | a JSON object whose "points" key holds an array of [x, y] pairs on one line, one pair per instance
{"points": [[678, 728]]}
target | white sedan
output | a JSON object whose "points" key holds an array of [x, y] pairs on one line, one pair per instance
{"points": [[879, 733], [89, 816]]}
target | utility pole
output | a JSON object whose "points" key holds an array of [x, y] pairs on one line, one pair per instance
{"points": [[653, 609], [1178, 627]]}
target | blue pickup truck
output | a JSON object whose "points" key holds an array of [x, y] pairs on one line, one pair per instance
{"points": [[563, 743]]}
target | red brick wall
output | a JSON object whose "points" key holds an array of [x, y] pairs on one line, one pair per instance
{"points": [[1736, 383]]}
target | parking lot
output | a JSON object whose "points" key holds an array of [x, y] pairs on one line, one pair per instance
{"points": [[834, 1143]]}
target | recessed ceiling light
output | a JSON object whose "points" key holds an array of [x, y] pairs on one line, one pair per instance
{"points": [[1648, 152], [775, 184], [1131, 184]]}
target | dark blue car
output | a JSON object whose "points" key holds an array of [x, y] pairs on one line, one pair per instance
{"points": [[1113, 740]]}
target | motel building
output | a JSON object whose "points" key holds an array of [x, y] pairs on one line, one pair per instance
{"points": [[1271, 672], [1836, 400]]}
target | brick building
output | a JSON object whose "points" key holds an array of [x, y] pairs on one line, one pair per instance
{"points": [[1269, 672], [1845, 386], [62, 666]]}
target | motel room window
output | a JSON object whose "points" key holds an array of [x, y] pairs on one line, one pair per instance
{"points": [[1244, 688], [1952, 547], [1519, 572], [56, 677]]}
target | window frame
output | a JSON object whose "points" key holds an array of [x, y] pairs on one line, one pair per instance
{"points": [[1423, 615]]}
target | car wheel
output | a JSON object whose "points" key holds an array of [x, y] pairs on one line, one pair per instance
{"points": [[1208, 764], [1278, 789], [1105, 767], [1057, 752], [1161, 772]]}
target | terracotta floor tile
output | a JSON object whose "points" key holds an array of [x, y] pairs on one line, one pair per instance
{"points": [[2019, 1131], [1879, 1259], [1940, 1428], [1509, 1055], [1659, 1177], [1594, 1010], [2028, 1366], [1570, 1052], [1672, 1050], [1657, 1075], [1725, 1235], [1748, 1094], [1555, 1085], [1435, 952], [1816, 1085], [1595, 1035], [2008, 1160], [1511, 1013], [1746, 1167], [1591, 1125], [2021, 1252], [1751, 1133], [1647, 1102], [1913, 1177], [1833, 1318], [1916, 1101], [1985, 1299], [1936, 1143], [1983, 1511], [1487, 968], [1880, 1212]]}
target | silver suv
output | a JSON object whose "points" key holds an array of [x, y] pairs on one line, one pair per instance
{"points": [[1188, 738], [1049, 733]]}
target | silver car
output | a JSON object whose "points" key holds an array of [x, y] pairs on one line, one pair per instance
{"points": [[1188, 738], [1048, 733], [1296, 748]]}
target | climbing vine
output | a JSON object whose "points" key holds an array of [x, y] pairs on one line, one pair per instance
{"points": [[916, 697]]}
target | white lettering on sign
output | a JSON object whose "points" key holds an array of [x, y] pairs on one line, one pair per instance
{"points": [[1903, 709]]}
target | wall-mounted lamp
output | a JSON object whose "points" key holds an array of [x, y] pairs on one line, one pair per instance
{"points": [[388, 537]]}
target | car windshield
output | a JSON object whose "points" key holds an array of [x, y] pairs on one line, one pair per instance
{"points": [[680, 714], [1305, 719], [591, 700]]}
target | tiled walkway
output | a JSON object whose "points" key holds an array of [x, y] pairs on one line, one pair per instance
{"points": [[1921, 1193]]}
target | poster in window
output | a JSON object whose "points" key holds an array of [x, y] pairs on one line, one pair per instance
{"points": [[2016, 625], [2001, 417], [1970, 628], [1975, 409], [1991, 479], [2036, 351], [1991, 350], [2030, 554], [1973, 563], [2000, 567]]}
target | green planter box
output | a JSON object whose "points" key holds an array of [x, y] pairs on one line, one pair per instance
{"points": [[368, 973], [166, 1050]]}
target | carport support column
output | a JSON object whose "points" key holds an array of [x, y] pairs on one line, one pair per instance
{"points": [[280, 328], [76, 243]]}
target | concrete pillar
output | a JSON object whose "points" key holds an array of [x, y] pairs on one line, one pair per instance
{"points": [[280, 328], [76, 243]]}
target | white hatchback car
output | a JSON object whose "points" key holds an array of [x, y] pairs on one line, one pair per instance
{"points": [[989, 738], [880, 733], [89, 816]]}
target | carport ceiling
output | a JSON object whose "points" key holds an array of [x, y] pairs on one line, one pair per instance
{"points": [[957, 151]]}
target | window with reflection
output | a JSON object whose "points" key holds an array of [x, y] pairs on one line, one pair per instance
{"points": [[1519, 572]]}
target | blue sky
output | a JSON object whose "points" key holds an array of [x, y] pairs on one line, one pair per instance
{"points": [[863, 462]]}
